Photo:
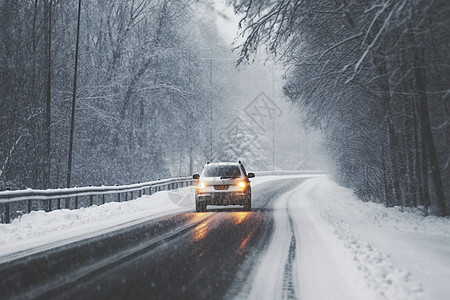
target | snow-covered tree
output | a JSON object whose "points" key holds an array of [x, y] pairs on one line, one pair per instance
{"points": [[373, 76], [143, 92], [240, 142]]}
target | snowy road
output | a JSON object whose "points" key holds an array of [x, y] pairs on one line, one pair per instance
{"points": [[184, 255], [305, 239]]}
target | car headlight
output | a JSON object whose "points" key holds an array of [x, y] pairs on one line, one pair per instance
{"points": [[201, 185], [241, 184]]}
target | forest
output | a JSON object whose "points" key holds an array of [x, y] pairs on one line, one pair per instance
{"points": [[143, 88], [145, 81], [374, 77]]}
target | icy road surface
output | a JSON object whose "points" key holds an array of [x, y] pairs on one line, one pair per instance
{"points": [[305, 239]]}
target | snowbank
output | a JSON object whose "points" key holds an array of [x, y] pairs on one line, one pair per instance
{"points": [[399, 254], [40, 228]]}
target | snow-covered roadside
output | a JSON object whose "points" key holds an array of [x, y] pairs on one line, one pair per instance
{"points": [[400, 254], [348, 249], [37, 230]]}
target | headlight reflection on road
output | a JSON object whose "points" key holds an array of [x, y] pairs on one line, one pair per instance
{"points": [[243, 243], [238, 217], [201, 230]]}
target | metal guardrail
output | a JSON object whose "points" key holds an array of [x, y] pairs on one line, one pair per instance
{"points": [[15, 203]]}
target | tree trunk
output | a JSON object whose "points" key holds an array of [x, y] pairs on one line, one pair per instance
{"points": [[47, 162], [427, 131], [72, 122], [390, 135]]}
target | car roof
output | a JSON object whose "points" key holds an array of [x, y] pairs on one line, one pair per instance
{"points": [[223, 163]]}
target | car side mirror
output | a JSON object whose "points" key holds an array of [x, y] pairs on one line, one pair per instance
{"points": [[196, 176], [251, 175]]}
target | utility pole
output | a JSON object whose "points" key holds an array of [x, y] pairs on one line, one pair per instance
{"points": [[46, 181], [210, 113], [72, 121], [273, 122]]}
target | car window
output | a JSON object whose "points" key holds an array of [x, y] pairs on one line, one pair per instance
{"points": [[221, 171], [243, 170]]}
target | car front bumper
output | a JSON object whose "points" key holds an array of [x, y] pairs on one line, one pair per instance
{"points": [[234, 198]]}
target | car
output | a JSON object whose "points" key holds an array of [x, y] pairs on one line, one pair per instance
{"points": [[223, 183]]}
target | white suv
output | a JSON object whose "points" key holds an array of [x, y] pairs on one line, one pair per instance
{"points": [[223, 183]]}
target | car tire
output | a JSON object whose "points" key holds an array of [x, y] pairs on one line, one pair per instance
{"points": [[200, 207], [248, 204]]}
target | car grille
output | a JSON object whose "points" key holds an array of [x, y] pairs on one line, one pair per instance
{"points": [[221, 187]]}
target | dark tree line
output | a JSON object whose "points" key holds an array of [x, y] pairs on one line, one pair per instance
{"points": [[144, 84], [374, 76]]}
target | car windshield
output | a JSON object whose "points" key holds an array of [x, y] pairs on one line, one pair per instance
{"points": [[221, 171]]}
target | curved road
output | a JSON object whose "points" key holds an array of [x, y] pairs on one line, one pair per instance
{"points": [[182, 256]]}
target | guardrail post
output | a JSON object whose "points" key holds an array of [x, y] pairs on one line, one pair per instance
{"points": [[29, 206], [76, 202], [91, 200], [132, 195], [50, 205], [126, 196], [103, 199], [140, 191], [58, 203], [118, 197], [150, 190], [7, 213]]}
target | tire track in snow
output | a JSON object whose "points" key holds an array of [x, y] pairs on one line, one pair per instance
{"points": [[275, 277], [289, 267]]}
